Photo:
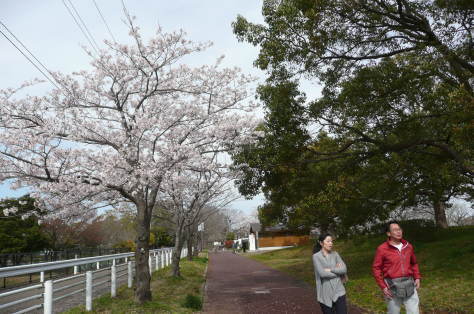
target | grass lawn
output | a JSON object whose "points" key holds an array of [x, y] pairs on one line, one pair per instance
{"points": [[445, 257], [169, 294]]}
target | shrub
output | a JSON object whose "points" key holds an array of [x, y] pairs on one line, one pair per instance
{"points": [[193, 302], [129, 244]]}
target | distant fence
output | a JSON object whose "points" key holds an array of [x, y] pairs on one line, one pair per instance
{"points": [[285, 240], [47, 292], [14, 259]]}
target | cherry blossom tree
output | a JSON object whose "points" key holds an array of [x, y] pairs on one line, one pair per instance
{"points": [[115, 133], [185, 195]]}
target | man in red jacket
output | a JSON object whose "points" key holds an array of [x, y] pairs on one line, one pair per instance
{"points": [[396, 271]]}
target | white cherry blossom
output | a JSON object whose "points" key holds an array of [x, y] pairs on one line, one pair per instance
{"points": [[124, 130]]}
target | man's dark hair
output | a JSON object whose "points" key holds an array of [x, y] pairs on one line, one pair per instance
{"points": [[391, 222]]}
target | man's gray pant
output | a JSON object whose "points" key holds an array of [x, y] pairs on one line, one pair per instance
{"points": [[411, 304]]}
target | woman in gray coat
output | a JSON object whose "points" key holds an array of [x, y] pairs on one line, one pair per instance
{"points": [[330, 270]]}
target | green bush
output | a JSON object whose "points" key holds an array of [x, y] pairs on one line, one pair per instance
{"points": [[193, 302], [201, 259]]}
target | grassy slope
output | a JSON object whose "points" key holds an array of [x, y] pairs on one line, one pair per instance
{"points": [[168, 293], [445, 257]]}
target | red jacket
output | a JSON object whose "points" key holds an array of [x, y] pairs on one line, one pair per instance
{"points": [[389, 262]]}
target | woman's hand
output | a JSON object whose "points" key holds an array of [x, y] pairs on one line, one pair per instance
{"points": [[338, 265], [327, 269]]}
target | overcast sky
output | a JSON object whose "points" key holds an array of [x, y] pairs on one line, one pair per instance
{"points": [[50, 33]]}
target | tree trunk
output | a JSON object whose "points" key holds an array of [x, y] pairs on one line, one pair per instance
{"points": [[142, 271], [440, 214], [178, 246], [189, 243], [196, 244]]}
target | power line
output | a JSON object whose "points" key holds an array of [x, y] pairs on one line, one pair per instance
{"points": [[103, 19], [84, 24], [31, 61], [26, 48], [80, 27]]}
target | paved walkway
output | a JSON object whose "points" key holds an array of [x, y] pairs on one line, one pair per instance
{"points": [[236, 284]]}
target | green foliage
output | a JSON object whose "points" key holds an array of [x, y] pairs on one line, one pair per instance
{"points": [[284, 138], [127, 244], [193, 302], [393, 128], [331, 39], [19, 229], [230, 236], [203, 260], [162, 237]]}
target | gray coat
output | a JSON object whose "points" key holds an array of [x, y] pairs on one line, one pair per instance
{"points": [[329, 286]]}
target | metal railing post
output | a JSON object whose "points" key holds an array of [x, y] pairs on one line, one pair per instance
{"points": [[75, 267], [42, 276], [89, 291], [130, 274], [98, 265], [48, 297], [157, 266], [113, 281], [150, 262]]}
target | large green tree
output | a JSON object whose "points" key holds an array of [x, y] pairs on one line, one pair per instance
{"points": [[330, 40], [397, 110], [397, 107], [19, 230]]}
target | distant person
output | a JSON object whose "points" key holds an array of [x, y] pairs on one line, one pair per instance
{"points": [[244, 246], [330, 272], [396, 271]]}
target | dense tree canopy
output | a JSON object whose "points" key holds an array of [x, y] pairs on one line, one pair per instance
{"points": [[19, 227], [396, 108]]}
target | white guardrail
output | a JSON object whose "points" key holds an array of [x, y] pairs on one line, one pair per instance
{"points": [[51, 291]]}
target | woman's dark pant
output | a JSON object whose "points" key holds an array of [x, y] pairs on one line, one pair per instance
{"points": [[338, 307]]}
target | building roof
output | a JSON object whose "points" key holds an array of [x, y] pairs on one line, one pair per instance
{"points": [[255, 227], [278, 227]]}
